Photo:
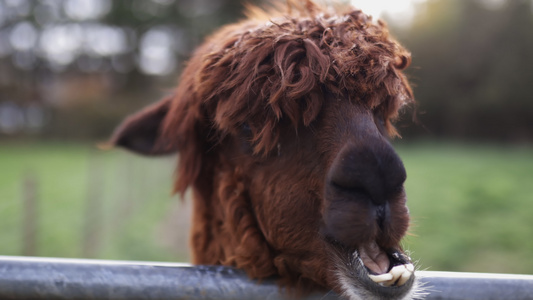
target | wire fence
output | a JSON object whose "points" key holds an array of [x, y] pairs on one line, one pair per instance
{"points": [[74, 201]]}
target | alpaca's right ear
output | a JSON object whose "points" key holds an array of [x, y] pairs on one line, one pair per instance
{"points": [[141, 132]]}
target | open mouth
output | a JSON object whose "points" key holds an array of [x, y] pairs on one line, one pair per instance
{"points": [[384, 267], [388, 272]]}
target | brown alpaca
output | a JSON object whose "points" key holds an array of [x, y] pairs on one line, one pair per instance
{"points": [[281, 123]]}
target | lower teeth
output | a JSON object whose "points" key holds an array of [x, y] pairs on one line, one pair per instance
{"points": [[398, 275]]}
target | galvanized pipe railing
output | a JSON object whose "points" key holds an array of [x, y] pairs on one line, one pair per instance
{"points": [[50, 278]]}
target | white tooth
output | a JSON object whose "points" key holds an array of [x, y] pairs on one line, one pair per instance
{"points": [[403, 279], [398, 275], [380, 278], [397, 272], [387, 283], [410, 267]]}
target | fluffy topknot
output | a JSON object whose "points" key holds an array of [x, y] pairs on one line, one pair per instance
{"points": [[262, 70]]}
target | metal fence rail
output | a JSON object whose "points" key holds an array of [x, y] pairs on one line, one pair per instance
{"points": [[50, 278]]}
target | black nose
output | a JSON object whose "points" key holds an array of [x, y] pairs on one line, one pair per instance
{"points": [[373, 169]]}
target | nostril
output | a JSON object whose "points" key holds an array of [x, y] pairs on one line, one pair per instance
{"points": [[367, 188], [349, 188]]}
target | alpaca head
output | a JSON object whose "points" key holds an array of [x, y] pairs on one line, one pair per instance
{"points": [[282, 125]]}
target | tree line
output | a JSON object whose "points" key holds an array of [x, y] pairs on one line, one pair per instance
{"points": [[472, 64], [472, 70]]}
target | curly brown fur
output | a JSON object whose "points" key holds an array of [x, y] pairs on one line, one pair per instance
{"points": [[281, 125]]}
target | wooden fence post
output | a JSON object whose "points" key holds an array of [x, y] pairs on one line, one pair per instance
{"points": [[30, 214], [93, 214]]}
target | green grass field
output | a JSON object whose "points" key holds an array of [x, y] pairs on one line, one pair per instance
{"points": [[471, 205], [110, 202]]}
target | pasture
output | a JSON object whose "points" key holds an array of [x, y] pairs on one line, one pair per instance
{"points": [[470, 205]]}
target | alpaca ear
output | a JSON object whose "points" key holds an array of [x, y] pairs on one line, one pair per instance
{"points": [[141, 132]]}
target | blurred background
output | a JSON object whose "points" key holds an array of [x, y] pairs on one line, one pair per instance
{"points": [[70, 70]]}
